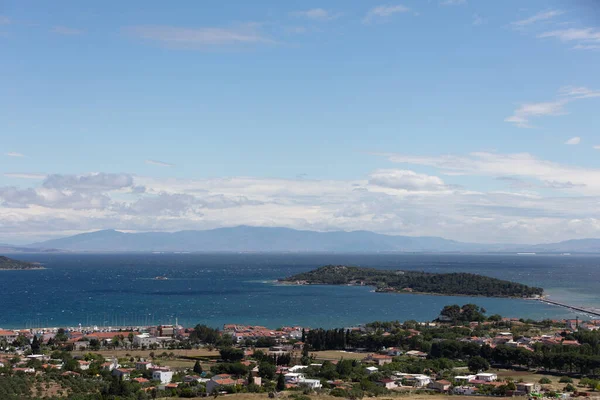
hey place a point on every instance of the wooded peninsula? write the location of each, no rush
(453, 284)
(10, 264)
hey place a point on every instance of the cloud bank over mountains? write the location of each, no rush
(528, 200)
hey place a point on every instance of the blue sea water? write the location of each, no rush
(214, 289)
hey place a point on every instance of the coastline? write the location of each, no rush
(394, 291)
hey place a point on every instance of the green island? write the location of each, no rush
(453, 284)
(11, 264)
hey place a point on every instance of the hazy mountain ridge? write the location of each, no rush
(260, 239)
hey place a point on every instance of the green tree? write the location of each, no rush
(266, 370)
(280, 383)
(197, 367)
(35, 345)
(478, 364)
(230, 354)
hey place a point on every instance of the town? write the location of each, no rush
(463, 352)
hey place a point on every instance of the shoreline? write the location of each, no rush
(394, 291)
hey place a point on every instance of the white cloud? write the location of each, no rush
(405, 179)
(394, 201)
(159, 163)
(14, 154)
(64, 30)
(568, 35)
(381, 12)
(318, 14)
(573, 140)
(521, 165)
(584, 38)
(453, 2)
(98, 182)
(478, 20)
(575, 92)
(522, 115)
(20, 175)
(541, 16)
(587, 47)
(597, 147)
(197, 38)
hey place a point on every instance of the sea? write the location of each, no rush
(216, 289)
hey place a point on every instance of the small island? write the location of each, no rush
(450, 284)
(17, 265)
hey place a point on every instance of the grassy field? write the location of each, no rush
(529, 376)
(338, 355)
(146, 353)
(176, 361)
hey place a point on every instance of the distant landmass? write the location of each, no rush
(261, 239)
(453, 284)
(8, 248)
(10, 264)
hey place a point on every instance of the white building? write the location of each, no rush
(143, 365)
(465, 378)
(293, 377)
(465, 390)
(144, 339)
(297, 368)
(487, 377)
(310, 383)
(164, 376)
(372, 370)
(84, 365)
(422, 380)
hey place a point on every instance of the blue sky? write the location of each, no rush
(446, 118)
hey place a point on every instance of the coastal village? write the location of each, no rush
(171, 360)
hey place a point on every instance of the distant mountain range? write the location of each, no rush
(258, 239)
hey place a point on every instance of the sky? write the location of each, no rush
(471, 120)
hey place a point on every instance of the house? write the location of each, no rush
(24, 370)
(141, 380)
(84, 365)
(293, 377)
(194, 378)
(462, 379)
(80, 345)
(144, 340)
(421, 380)
(143, 365)
(9, 336)
(388, 383)
(111, 365)
(122, 373)
(486, 377)
(217, 384)
(527, 387)
(441, 385)
(310, 383)
(465, 390)
(166, 330)
(163, 375)
(297, 368)
(394, 352)
(372, 370)
(380, 359)
(416, 353)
